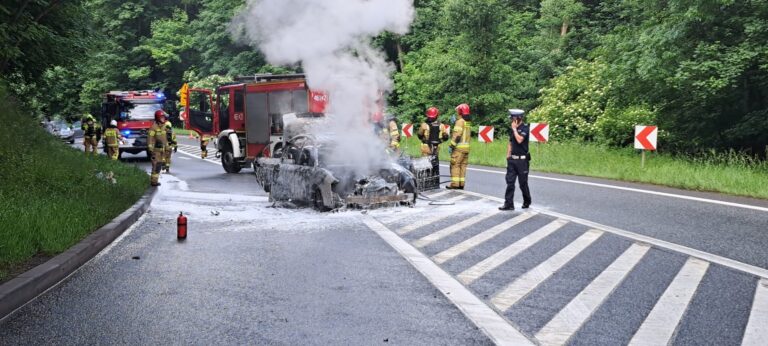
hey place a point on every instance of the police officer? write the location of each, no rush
(157, 141)
(518, 159)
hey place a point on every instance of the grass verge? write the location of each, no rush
(50, 194)
(726, 173)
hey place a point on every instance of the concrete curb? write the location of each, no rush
(25, 287)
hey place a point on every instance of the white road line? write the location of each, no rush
(494, 326)
(650, 192)
(660, 325)
(727, 262)
(431, 238)
(198, 157)
(475, 272)
(438, 194)
(573, 315)
(534, 277)
(423, 222)
(470, 243)
(757, 327)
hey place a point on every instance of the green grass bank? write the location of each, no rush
(50, 195)
(727, 173)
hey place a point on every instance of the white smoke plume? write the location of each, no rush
(331, 40)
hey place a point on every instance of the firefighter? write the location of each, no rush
(394, 133)
(460, 147)
(431, 133)
(171, 148)
(157, 141)
(385, 127)
(112, 139)
(91, 134)
(204, 146)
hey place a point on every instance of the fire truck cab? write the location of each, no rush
(246, 117)
(134, 112)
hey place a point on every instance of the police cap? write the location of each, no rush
(516, 113)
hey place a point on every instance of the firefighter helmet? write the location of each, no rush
(432, 113)
(113, 123)
(463, 109)
(377, 117)
(159, 116)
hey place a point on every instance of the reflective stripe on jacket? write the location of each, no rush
(111, 135)
(462, 132)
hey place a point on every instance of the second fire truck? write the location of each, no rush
(245, 117)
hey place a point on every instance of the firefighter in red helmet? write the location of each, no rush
(157, 141)
(460, 147)
(431, 134)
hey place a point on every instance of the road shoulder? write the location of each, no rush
(24, 288)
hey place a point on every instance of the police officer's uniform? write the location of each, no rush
(517, 164)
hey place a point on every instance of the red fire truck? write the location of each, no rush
(134, 112)
(245, 117)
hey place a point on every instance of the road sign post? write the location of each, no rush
(485, 135)
(645, 139)
(539, 134)
(407, 133)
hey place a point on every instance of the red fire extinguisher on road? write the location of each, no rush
(181, 226)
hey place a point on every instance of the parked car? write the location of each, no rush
(76, 127)
(62, 130)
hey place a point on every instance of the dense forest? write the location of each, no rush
(592, 69)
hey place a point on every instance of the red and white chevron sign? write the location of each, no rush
(645, 137)
(485, 135)
(539, 132)
(408, 130)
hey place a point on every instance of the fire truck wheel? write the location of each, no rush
(228, 160)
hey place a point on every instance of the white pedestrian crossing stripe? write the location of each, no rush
(573, 315)
(429, 239)
(196, 152)
(757, 327)
(533, 278)
(470, 275)
(658, 327)
(480, 238)
(423, 222)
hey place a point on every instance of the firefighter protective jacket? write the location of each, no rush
(91, 130)
(461, 135)
(170, 135)
(157, 139)
(394, 135)
(112, 136)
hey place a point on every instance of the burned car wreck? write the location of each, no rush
(306, 173)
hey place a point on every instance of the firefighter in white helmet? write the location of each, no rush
(112, 138)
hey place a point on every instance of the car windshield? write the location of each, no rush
(142, 111)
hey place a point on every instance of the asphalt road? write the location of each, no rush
(464, 273)
(737, 233)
